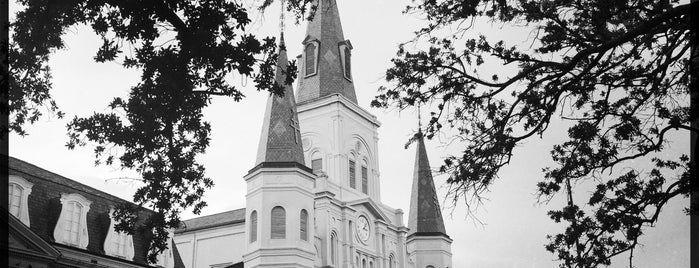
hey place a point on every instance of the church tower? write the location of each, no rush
(428, 243)
(340, 142)
(279, 215)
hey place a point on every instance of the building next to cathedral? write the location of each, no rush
(54, 221)
(313, 197)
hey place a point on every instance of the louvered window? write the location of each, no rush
(278, 223)
(348, 64)
(304, 225)
(317, 165)
(311, 59)
(365, 180)
(253, 226)
(353, 183)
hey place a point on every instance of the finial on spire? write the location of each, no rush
(282, 45)
(419, 121)
(281, 18)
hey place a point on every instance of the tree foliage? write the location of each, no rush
(188, 52)
(617, 71)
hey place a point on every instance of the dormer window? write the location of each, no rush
(348, 66)
(311, 58)
(346, 56)
(18, 193)
(166, 258)
(118, 244)
(71, 228)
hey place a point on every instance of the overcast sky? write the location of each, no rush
(513, 226)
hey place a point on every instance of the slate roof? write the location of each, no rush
(425, 217)
(280, 141)
(327, 29)
(211, 221)
(45, 208)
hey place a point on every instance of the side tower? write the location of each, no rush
(279, 213)
(428, 244)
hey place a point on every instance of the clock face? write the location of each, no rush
(363, 229)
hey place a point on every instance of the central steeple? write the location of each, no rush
(326, 59)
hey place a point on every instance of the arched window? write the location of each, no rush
(311, 49)
(333, 248)
(363, 263)
(352, 173)
(18, 194)
(304, 225)
(365, 178)
(71, 228)
(429, 266)
(15, 192)
(348, 65)
(253, 226)
(391, 261)
(118, 244)
(371, 264)
(278, 223)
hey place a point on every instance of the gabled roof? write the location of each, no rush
(211, 221)
(372, 207)
(425, 217)
(280, 140)
(326, 28)
(22, 240)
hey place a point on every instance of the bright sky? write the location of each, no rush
(513, 226)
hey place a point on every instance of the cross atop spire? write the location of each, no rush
(425, 218)
(279, 141)
(325, 65)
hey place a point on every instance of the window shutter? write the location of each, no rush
(365, 180)
(353, 183)
(348, 63)
(310, 59)
(317, 165)
(278, 223)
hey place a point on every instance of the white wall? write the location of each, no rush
(210, 247)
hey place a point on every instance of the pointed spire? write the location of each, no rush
(280, 140)
(330, 77)
(425, 218)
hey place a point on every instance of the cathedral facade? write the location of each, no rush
(313, 197)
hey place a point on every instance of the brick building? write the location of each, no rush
(54, 221)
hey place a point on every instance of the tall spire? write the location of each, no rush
(333, 72)
(425, 217)
(280, 140)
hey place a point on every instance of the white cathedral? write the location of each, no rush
(313, 197)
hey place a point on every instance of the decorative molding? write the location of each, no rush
(59, 232)
(110, 242)
(166, 258)
(26, 187)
